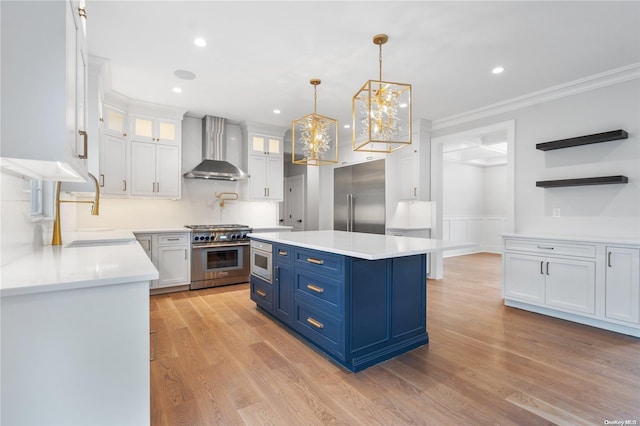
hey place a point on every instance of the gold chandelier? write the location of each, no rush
(381, 113)
(311, 137)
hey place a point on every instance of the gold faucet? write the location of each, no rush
(95, 209)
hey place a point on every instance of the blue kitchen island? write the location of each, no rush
(358, 298)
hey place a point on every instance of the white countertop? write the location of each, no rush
(57, 268)
(408, 228)
(276, 228)
(584, 239)
(364, 246)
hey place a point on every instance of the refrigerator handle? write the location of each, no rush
(350, 212)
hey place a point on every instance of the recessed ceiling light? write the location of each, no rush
(497, 70)
(347, 126)
(184, 74)
(177, 90)
(276, 111)
(200, 42)
(403, 105)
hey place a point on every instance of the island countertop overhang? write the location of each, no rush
(361, 245)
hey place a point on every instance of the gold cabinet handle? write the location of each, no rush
(86, 144)
(282, 253)
(315, 288)
(315, 323)
(261, 293)
(315, 261)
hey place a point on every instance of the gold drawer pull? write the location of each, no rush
(315, 323)
(261, 293)
(316, 261)
(282, 253)
(315, 288)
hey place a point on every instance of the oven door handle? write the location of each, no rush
(205, 246)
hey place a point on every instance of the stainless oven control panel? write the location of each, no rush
(219, 237)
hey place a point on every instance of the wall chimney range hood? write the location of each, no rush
(214, 145)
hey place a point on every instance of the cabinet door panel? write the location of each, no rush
(408, 313)
(284, 280)
(275, 180)
(114, 166)
(570, 284)
(409, 177)
(623, 284)
(370, 317)
(173, 265)
(143, 168)
(524, 279)
(167, 172)
(258, 172)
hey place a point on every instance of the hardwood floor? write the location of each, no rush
(220, 361)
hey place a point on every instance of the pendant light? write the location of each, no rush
(314, 137)
(381, 112)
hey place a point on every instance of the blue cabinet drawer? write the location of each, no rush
(321, 328)
(262, 293)
(322, 290)
(321, 262)
(283, 254)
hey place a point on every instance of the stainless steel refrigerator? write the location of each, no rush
(358, 198)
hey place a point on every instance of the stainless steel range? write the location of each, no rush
(219, 255)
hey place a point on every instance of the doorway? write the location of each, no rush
(460, 146)
(294, 210)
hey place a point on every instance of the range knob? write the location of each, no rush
(206, 238)
(234, 236)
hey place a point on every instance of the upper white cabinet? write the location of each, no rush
(154, 129)
(265, 145)
(264, 161)
(44, 89)
(155, 170)
(141, 149)
(409, 177)
(114, 121)
(584, 281)
(623, 284)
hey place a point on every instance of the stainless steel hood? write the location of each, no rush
(214, 145)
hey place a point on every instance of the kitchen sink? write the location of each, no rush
(97, 243)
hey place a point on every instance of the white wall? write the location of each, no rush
(197, 206)
(610, 211)
(474, 205)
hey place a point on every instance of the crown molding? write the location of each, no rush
(596, 81)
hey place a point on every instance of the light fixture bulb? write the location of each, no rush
(200, 42)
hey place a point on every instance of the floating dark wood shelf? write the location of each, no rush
(603, 180)
(583, 140)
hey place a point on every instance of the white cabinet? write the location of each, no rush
(114, 121)
(563, 282)
(44, 89)
(154, 129)
(113, 166)
(155, 170)
(590, 282)
(145, 161)
(266, 181)
(265, 145)
(409, 177)
(263, 162)
(171, 254)
(623, 284)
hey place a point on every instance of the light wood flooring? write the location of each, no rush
(220, 361)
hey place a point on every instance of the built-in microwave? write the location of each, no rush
(261, 260)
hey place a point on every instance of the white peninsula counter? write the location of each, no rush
(75, 333)
(358, 298)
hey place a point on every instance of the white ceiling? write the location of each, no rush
(261, 55)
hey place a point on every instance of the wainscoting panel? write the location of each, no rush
(486, 231)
